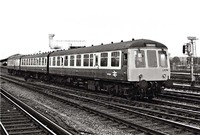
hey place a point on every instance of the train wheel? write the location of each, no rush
(150, 98)
(129, 94)
(111, 91)
(129, 97)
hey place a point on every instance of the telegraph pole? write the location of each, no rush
(190, 50)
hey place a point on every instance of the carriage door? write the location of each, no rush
(96, 60)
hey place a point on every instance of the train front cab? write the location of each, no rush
(13, 65)
(148, 69)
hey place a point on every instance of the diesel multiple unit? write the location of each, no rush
(135, 69)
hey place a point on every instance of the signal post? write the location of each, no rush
(188, 49)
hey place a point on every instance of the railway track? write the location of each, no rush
(18, 118)
(184, 77)
(132, 127)
(129, 116)
(181, 96)
(184, 87)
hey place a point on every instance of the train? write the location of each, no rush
(135, 69)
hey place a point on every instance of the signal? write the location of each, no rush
(184, 49)
(187, 49)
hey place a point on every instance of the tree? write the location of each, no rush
(176, 60)
(188, 60)
(197, 60)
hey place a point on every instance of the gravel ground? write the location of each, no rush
(62, 113)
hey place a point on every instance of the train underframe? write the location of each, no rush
(130, 90)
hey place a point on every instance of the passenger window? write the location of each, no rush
(115, 59)
(66, 61)
(33, 61)
(91, 60)
(71, 60)
(37, 61)
(58, 61)
(162, 58)
(78, 60)
(61, 61)
(45, 61)
(49, 61)
(86, 60)
(139, 59)
(104, 59)
(54, 61)
(152, 59)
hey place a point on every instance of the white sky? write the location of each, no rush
(25, 24)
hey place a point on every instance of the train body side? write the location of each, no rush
(92, 71)
(35, 63)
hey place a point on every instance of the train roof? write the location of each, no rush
(36, 55)
(110, 47)
(15, 56)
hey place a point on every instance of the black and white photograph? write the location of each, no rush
(100, 67)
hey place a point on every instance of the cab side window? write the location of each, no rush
(140, 59)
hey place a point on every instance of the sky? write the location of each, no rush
(26, 24)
